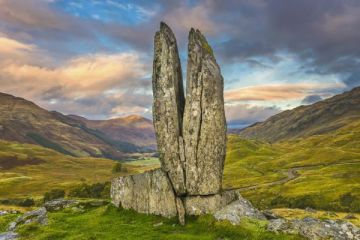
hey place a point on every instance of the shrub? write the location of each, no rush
(27, 202)
(24, 202)
(97, 190)
(54, 194)
(118, 167)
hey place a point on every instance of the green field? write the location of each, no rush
(30, 170)
(108, 222)
(321, 171)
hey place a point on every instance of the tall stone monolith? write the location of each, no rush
(168, 106)
(204, 124)
(191, 135)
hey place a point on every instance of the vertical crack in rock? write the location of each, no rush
(168, 105)
(204, 124)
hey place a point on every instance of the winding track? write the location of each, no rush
(292, 173)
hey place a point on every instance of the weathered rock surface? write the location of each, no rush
(199, 205)
(8, 236)
(6, 212)
(237, 210)
(149, 192)
(38, 215)
(204, 124)
(316, 229)
(59, 204)
(168, 106)
(191, 135)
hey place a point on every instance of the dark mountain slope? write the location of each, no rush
(318, 118)
(133, 129)
(25, 122)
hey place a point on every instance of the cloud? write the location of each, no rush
(311, 99)
(326, 40)
(183, 18)
(353, 80)
(278, 92)
(80, 76)
(95, 85)
(241, 115)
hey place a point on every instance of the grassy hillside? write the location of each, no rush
(319, 118)
(321, 171)
(30, 170)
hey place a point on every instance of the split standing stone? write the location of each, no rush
(204, 124)
(168, 106)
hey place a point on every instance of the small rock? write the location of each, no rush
(308, 209)
(269, 215)
(312, 228)
(350, 216)
(2, 213)
(158, 224)
(59, 204)
(181, 210)
(237, 210)
(39, 216)
(9, 236)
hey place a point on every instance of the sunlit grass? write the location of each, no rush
(109, 222)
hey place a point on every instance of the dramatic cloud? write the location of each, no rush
(277, 92)
(95, 84)
(94, 57)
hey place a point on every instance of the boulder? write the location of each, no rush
(204, 124)
(168, 106)
(236, 210)
(150, 192)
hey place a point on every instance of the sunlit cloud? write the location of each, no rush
(285, 91)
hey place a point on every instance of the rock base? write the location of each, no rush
(152, 193)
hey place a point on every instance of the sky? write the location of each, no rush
(94, 57)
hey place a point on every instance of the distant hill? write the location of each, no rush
(134, 129)
(319, 118)
(25, 122)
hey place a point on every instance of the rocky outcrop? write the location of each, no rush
(9, 236)
(149, 192)
(38, 216)
(316, 229)
(191, 135)
(204, 125)
(236, 210)
(168, 106)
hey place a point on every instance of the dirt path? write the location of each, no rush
(292, 173)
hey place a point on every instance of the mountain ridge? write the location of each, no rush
(25, 122)
(307, 120)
